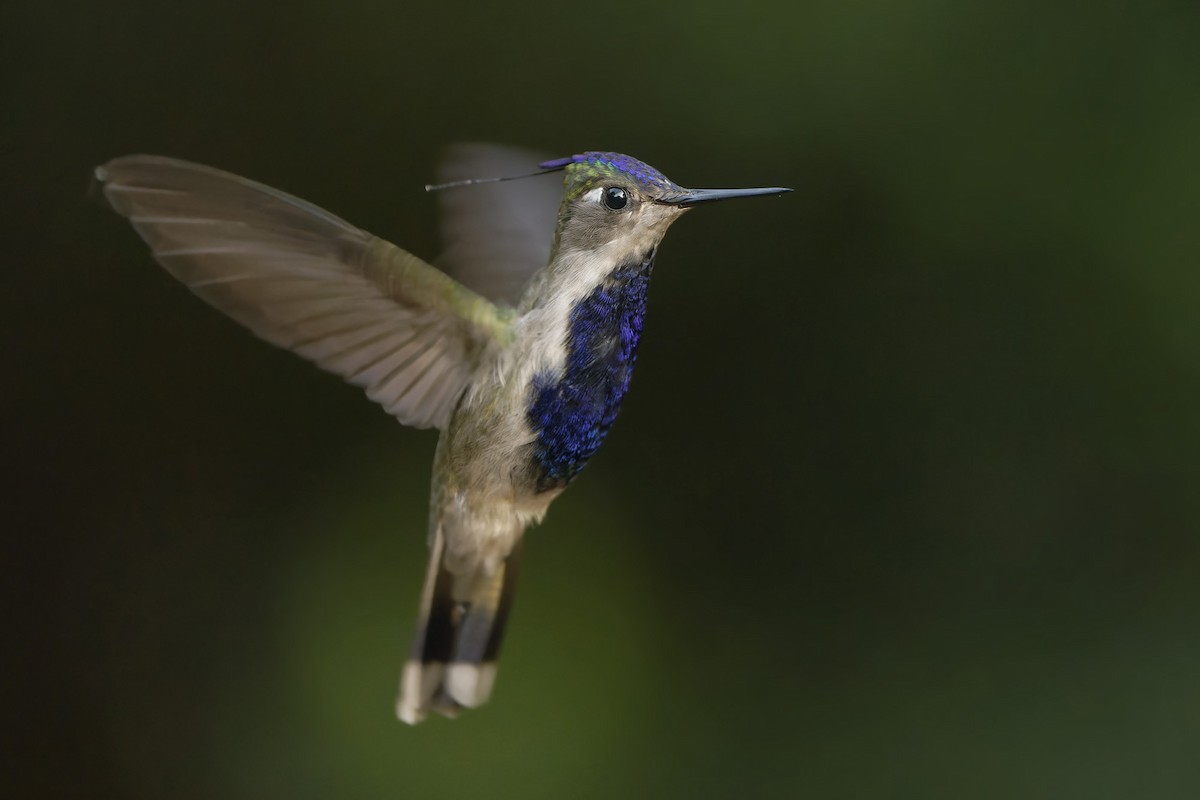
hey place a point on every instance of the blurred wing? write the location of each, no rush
(496, 235)
(304, 279)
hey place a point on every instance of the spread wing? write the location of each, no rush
(496, 235)
(303, 279)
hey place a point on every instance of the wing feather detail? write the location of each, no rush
(306, 280)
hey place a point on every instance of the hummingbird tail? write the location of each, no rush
(452, 664)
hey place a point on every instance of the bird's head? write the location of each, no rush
(614, 200)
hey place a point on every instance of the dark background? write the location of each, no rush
(904, 501)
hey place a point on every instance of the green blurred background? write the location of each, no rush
(904, 501)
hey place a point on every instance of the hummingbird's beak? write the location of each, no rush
(686, 198)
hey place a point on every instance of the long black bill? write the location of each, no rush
(687, 198)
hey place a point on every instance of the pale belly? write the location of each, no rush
(485, 490)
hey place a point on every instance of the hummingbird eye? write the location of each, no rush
(615, 198)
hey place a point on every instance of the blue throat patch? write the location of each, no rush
(572, 412)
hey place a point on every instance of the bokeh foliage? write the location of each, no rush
(904, 501)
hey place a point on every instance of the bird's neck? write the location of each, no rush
(574, 272)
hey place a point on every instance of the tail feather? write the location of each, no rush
(452, 664)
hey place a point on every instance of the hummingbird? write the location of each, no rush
(523, 374)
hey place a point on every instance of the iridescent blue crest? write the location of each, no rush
(586, 169)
